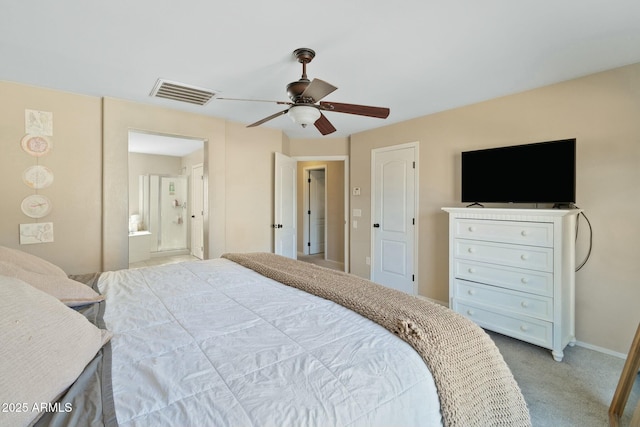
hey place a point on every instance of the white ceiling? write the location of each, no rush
(416, 57)
(164, 145)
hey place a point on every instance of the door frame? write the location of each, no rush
(192, 204)
(306, 226)
(345, 160)
(416, 190)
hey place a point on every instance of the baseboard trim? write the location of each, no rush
(601, 349)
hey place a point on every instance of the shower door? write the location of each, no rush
(168, 212)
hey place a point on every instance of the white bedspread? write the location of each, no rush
(211, 343)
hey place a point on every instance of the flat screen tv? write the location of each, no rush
(543, 172)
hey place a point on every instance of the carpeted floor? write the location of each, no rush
(318, 259)
(575, 392)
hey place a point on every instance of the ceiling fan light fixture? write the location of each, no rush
(304, 115)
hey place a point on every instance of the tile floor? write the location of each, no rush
(163, 260)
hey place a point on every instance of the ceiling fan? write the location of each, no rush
(306, 108)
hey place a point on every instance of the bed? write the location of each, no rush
(261, 340)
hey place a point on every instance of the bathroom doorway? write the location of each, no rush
(160, 202)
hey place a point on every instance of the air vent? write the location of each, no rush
(181, 92)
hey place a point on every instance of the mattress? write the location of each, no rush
(213, 343)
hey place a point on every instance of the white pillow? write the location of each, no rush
(30, 262)
(68, 291)
(44, 346)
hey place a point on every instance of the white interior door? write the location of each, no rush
(317, 211)
(284, 215)
(393, 207)
(197, 211)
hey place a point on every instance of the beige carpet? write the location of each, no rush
(318, 259)
(575, 392)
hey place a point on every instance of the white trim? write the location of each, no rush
(345, 160)
(305, 217)
(601, 349)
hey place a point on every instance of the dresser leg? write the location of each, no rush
(557, 355)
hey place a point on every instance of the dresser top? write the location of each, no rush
(511, 213)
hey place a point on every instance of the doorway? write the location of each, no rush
(315, 199)
(335, 253)
(160, 196)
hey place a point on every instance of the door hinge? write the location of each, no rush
(414, 221)
(309, 180)
(309, 244)
(413, 277)
(308, 212)
(414, 165)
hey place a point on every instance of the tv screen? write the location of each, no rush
(544, 172)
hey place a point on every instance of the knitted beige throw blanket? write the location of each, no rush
(475, 386)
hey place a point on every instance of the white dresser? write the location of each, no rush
(512, 271)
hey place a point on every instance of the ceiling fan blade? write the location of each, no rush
(360, 110)
(324, 125)
(318, 89)
(266, 119)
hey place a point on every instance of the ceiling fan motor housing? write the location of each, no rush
(295, 89)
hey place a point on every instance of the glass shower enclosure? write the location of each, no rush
(163, 210)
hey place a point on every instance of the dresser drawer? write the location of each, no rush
(530, 257)
(517, 302)
(517, 232)
(536, 282)
(526, 329)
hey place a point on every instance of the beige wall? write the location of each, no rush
(334, 186)
(602, 111)
(250, 181)
(317, 147)
(75, 160)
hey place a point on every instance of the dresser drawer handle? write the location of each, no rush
(471, 270)
(524, 280)
(471, 292)
(471, 250)
(472, 229)
(524, 257)
(524, 233)
(524, 328)
(470, 312)
(524, 304)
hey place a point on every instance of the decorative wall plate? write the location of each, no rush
(36, 206)
(36, 145)
(37, 177)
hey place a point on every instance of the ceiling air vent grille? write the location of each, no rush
(181, 92)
